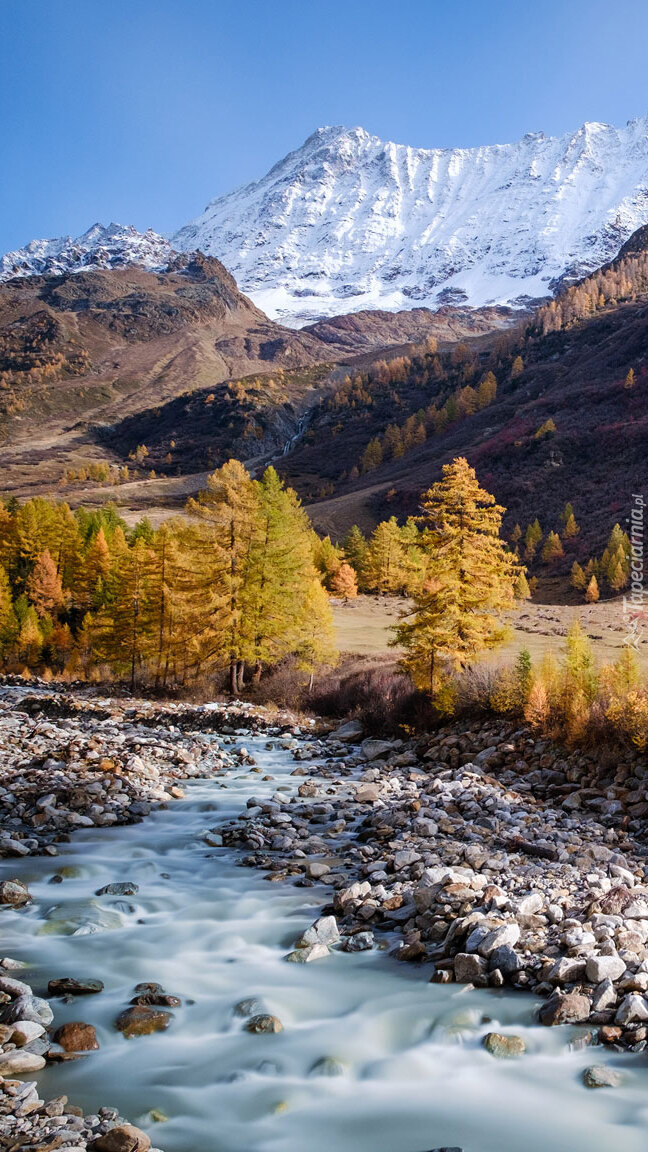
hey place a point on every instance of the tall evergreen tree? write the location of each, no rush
(470, 577)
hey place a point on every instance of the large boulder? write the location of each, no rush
(123, 1138)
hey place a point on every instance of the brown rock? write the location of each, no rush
(123, 1138)
(141, 1020)
(264, 1023)
(68, 986)
(570, 1008)
(76, 1037)
(14, 892)
(616, 900)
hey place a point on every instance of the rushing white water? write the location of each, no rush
(416, 1076)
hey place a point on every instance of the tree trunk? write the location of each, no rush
(233, 677)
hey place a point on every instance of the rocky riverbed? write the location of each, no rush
(483, 858)
(496, 857)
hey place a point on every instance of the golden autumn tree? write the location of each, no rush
(344, 582)
(469, 577)
(229, 508)
(123, 634)
(280, 570)
(44, 586)
(592, 594)
(316, 640)
(552, 548)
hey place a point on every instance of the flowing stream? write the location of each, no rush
(414, 1075)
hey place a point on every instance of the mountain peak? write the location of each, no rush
(348, 221)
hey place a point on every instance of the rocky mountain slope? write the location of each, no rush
(566, 424)
(104, 359)
(349, 222)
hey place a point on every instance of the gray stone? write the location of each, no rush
(305, 955)
(123, 888)
(322, 931)
(327, 1066)
(373, 749)
(349, 732)
(503, 1047)
(19, 1062)
(359, 942)
(468, 967)
(600, 1076)
(27, 1008)
(505, 959)
(565, 1008)
(632, 1009)
(498, 937)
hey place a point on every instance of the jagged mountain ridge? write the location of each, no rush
(349, 222)
(111, 246)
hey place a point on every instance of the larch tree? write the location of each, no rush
(280, 570)
(552, 548)
(385, 567)
(354, 547)
(229, 507)
(469, 577)
(592, 594)
(91, 584)
(532, 538)
(44, 586)
(578, 578)
(316, 642)
(123, 632)
(8, 622)
(344, 582)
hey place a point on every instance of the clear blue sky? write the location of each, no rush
(141, 111)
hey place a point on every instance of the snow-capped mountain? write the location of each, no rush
(349, 222)
(100, 247)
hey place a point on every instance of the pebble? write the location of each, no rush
(263, 1023)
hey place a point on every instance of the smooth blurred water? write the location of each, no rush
(416, 1076)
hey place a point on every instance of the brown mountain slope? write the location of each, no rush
(594, 454)
(93, 364)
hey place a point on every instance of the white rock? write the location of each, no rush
(305, 955)
(632, 1008)
(17, 1063)
(24, 1031)
(506, 934)
(604, 968)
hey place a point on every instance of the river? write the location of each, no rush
(413, 1075)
